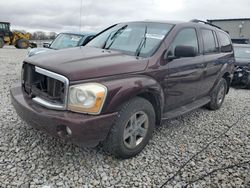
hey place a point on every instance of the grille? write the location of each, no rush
(47, 88)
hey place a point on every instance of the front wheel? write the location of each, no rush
(132, 128)
(218, 95)
(22, 43)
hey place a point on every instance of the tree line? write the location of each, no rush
(40, 35)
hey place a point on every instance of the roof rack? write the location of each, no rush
(200, 21)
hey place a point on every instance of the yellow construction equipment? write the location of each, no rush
(16, 38)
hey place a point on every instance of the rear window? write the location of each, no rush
(225, 42)
(209, 41)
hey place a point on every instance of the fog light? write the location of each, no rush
(68, 130)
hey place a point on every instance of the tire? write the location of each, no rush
(248, 82)
(22, 43)
(1, 42)
(124, 141)
(218, 95)
(17, 43)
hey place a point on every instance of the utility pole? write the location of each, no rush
(80, 25)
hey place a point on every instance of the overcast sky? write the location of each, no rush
(64, 15)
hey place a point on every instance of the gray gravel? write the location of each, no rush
(200, 149)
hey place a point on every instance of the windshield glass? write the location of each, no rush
(138, 39)
(242, 52)
(66, 41)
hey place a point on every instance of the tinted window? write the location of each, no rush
(209, 41)
(186, 37)
(225, 42)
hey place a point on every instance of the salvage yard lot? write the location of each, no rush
(203, 148)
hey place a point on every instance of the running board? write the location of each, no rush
(186, 108)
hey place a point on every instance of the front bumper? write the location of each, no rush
(87, 130)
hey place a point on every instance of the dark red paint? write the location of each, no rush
(168, 84)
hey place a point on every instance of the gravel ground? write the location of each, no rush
(200, 149)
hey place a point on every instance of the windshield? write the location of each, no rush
(64, 40)
(242, 52)
(138, 39)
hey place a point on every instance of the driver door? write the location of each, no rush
(185, 74)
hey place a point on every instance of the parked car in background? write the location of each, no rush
(63, 40)
(242, 66)
(126, 80)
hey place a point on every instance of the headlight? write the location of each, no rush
(87, 98)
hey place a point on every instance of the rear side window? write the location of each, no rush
(225, 42)
(209, 41)
(186, 37)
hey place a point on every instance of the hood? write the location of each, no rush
(242, 62)
(35, 51)
(87, 62)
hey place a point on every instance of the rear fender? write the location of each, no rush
(226, 70)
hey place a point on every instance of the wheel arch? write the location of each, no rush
(122, 90)
(227, 77)
(156, 103)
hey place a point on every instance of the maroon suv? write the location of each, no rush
(125, 81)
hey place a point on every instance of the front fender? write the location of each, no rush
(122, 90)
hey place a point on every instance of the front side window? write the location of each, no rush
(137, 39)
(209, 41)
(225, 42)
(65, 40)
(186, 37)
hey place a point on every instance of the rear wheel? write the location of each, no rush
(22, 44)
(132, 129)
(218, 95)
(1, 42)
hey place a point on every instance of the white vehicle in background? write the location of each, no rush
(63, 40)
(242, 66)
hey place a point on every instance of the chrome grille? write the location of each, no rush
(47, 88)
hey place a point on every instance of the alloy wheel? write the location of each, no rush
(135, 129)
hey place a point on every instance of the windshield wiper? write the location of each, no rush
(142, 43)
(113, 37)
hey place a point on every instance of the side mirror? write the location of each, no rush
(169, 56)
(185, 51)
(46, 44)
(179, 52)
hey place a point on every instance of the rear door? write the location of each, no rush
(184, 75)
(211, 54)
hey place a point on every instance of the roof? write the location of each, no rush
(232, 19)
(163, 21)
(153, 21)
(5, 22)
(208, 25)
(78, 33)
